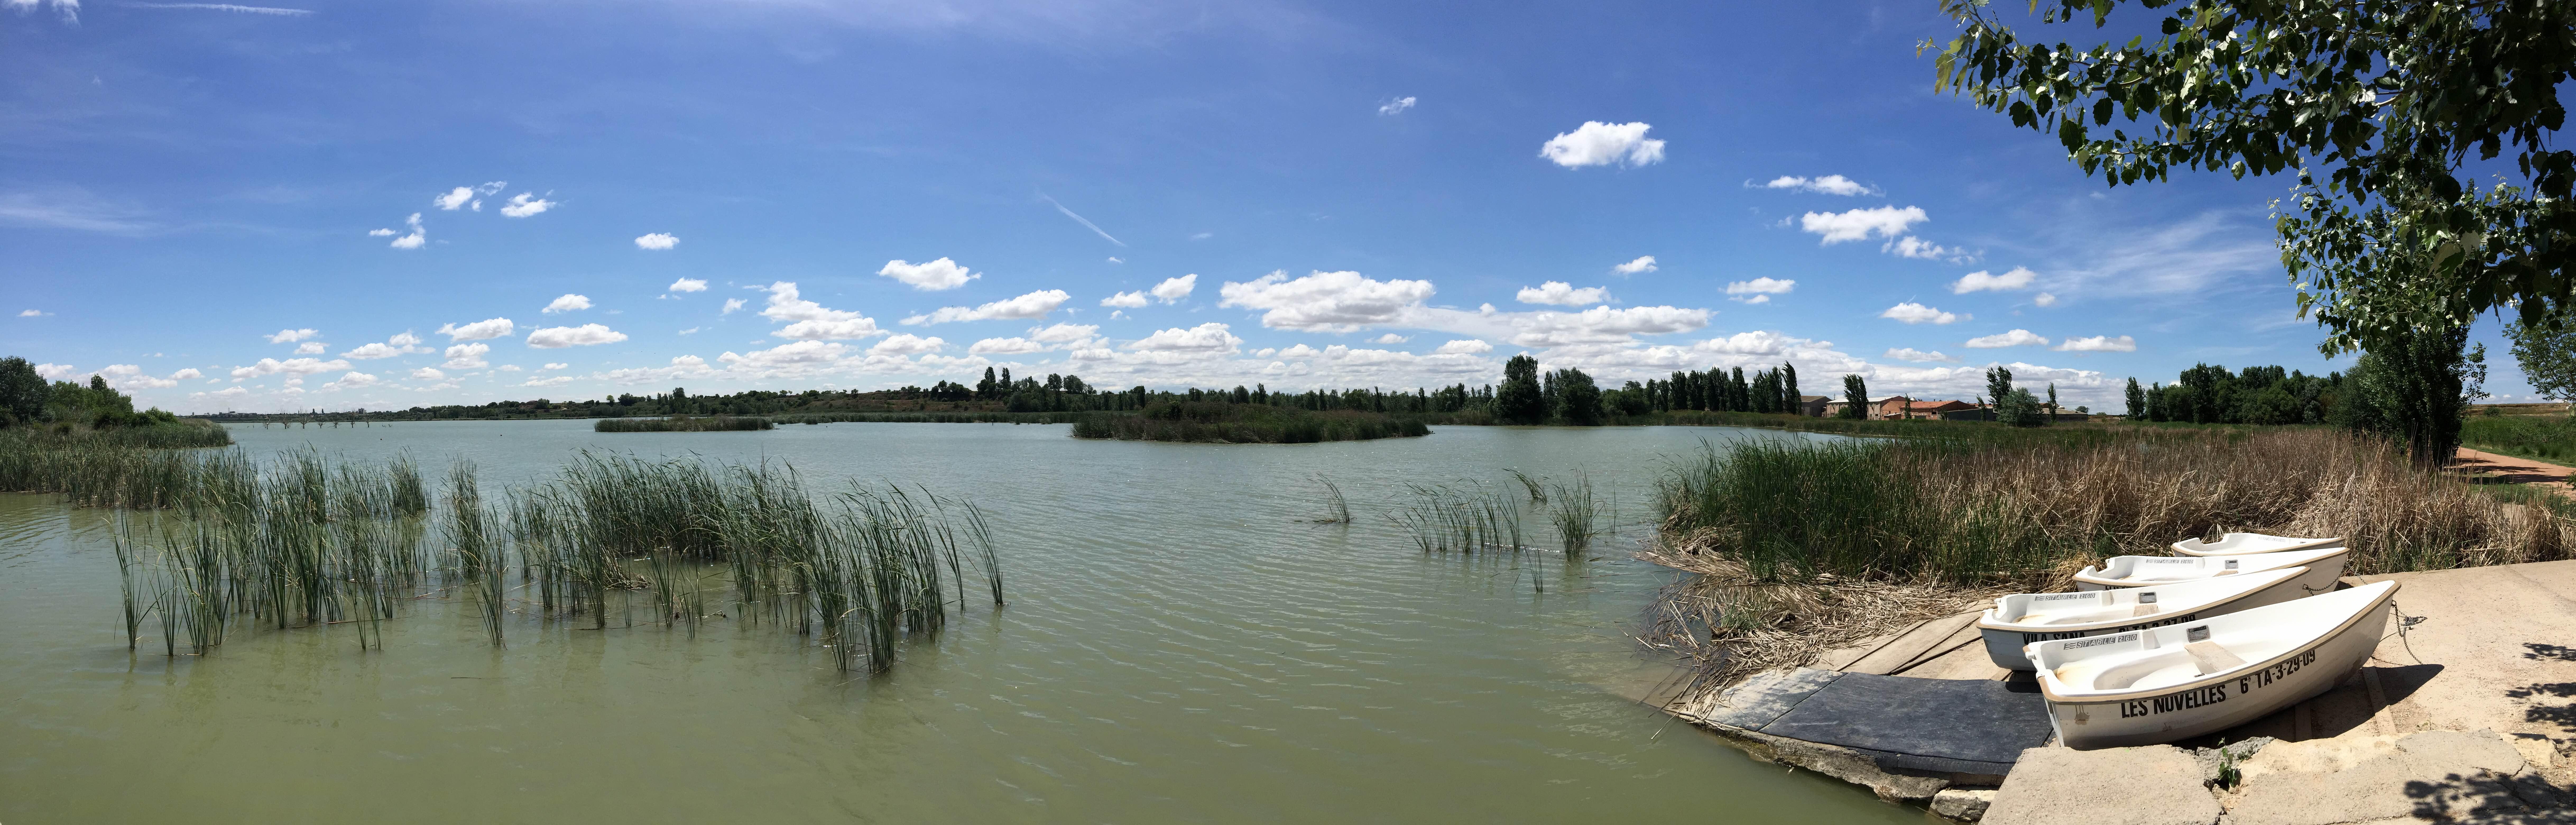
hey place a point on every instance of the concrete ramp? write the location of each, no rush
(1951, 726)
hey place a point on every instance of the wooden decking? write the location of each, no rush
(1942, 648)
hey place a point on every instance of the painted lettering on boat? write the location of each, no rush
(2101, 640)
(2059, 597)
(2214, 694)
(2028, 638)
(2168, 561)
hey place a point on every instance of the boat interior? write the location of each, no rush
(2166, 656)
(2100, 606)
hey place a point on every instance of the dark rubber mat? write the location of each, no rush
(1924, 724)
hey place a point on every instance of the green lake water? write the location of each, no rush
(1181, 645)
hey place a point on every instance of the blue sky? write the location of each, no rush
(335, 205)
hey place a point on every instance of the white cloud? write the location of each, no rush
(350, 379)
(526, 204)
(1857, 224)
(402, 344)
(310, 348)
(2044, 299)
(1829, 185)
(508, 368)
(1561, 293)
(1396, 106)
(788, 359)
(1116, 260)
(1209, 337)
(689, 285)
(482, 330)
(55, 372)
(428, 374)
(1600, 144)
(1757, 299)
(929, 276)
(1329, 301)
(188, 374)
(680, 366)
(467, 357)
(2099, 343)
(454, 199)
(1912, 354)
(731, 304)
(1464, 347)
(1603, 325)
(291, 366)
(2015, 338)
(580, 336)
(32, 313)
(1032, 305)
(553, 366)
(1004, 346)
(289, 336)
(131, 375)
(568, 303)
(1389, 338)
(1762, 286)
(656, 240)
(227, 392)
(1130, 300)
(2018, 278)
(415, 240)
(1064, 333)
(492, 187)
(1913, 247)
(1643, 263)
(691, 331)
(1914, 313)
(812, 321)
(1172, 290)
(555, 381)
(380, 232)
(907, 344)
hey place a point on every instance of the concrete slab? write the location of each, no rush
(1941, 725)
(1764, 697)
(2497, 651)
(2154, 785)
(2432, 775)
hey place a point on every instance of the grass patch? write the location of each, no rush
(1208, 422)
(2550, 438)
(683, 424)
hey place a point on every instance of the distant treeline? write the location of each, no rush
(1227, 423)
(683, 424)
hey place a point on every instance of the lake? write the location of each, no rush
(1182, 644)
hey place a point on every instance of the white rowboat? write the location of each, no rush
(2323, 564)
(2237, 544)
(2024, 618)
(2164, 684)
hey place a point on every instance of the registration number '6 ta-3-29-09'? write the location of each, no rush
(2214, 694)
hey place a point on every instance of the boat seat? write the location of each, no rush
(2211, 658)
(2145, 610)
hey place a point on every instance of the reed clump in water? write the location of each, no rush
(1575, 514)
(1211, 422)
(683, 424)
(1337, 510)
(1445, 519)
(1945, 523)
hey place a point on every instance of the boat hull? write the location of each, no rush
(2320, 577)
(2276, 544)
(2217, 704)
(2009, 646)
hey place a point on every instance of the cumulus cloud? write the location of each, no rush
(1603, 325)
(1396, 106)
(1914, 313)
(1172, 290)
(1828, 185)
(32, 313)
(526, 204)
(656, 240)
(403, 344)
(2099, 343)
(732, 304)
(810, 321)
(1980, 281)
(1389, 338)
(131, 375)
(1912, 354)
(454, 199)
(907, 344)
(1004, 346)
(1561, 293)
(580, 336)
(1859, 224)
(289, 336)
(56, 372)
(483, 330)
(1327, 301)
(2044, 299)
(1601, 144)
(2015, 338)
(415, 240)
(1643, 263)
(291, 366)
(929, 276)
(1130, 300)
(554, 381)
(188, 374)
(1064, 333)
(685, 365)
(1464, 347)
(689, 285)
(350, 379)
(1032, 305)
(1209, 337)
(553, 366)
(310, 348)
(428, 374)
(1913, 247)
(467, 357)
(785, 359)
(568, 303)
(1760, 290)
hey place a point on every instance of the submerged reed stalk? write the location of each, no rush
(1575, 514)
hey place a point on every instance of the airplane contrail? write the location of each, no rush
(1079, 219)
